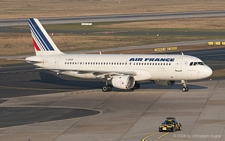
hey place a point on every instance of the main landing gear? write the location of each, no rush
(185, 88)
(107, 88)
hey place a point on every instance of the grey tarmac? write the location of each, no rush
(123, 115)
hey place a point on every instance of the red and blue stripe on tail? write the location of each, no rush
(43, 44)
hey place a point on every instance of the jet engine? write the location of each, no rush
(122, 82)
(164, 82)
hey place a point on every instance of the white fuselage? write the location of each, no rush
(145, 67)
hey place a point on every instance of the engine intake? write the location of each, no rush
(122, 82)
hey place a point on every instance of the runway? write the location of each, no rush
(114, 18)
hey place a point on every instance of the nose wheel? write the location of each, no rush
(185, 88)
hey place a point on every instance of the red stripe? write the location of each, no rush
(35, 45)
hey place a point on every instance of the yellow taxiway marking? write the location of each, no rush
(148, 136)
(163, 135)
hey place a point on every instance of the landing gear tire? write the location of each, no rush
(106, 88)
(185, 89)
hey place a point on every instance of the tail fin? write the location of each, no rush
(43, 44)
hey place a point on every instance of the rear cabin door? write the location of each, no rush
(57, 59)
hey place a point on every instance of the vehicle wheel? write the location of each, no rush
(173, 130)
(180, 127)
(160, 129)
(186, 89)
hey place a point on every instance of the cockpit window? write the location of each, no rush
(200, 63)
(196, 63)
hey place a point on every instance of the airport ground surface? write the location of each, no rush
(38, 105)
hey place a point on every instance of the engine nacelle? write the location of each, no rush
(122, 82)
(164, 82)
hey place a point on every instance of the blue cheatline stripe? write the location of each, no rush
(36, 40)
(40, 35)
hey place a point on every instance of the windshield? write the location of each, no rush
(196, 63)
(168, 122)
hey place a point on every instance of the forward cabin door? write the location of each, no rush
(178, 65)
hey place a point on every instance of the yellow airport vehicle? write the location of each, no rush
(170, 125)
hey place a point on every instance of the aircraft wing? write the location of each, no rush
(99, 72)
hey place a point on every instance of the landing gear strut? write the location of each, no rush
(106, 88)
(185, 88)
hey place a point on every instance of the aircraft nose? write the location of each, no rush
(208, 71)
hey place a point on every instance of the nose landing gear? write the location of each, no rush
(185, 88)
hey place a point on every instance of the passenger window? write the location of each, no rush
(191, 64)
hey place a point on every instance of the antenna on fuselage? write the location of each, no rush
(182, 53)
(100, 52)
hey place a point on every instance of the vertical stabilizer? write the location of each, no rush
(43, 44)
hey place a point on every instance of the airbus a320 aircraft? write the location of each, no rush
(120, 71)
